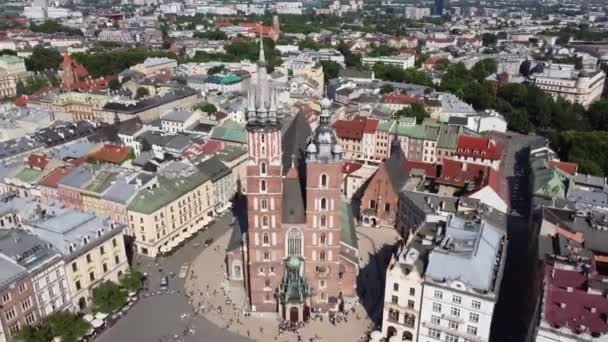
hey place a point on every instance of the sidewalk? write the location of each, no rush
(213, 298)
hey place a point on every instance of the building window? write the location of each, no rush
(323, 240)
(436, 307)
(26, 303)
(9, 314)
(434, 333)
(267, 282)
(30, 318)
(323, 203)
(394, 300)
(393, 315)
(89, 259)
(6, 297)
(372, 204)
(117, 260)
(92, 276)
(436, 320)
(387, 207)
(476, 304)
(471, 330)
(294, 242)
(264, 204)
(22, 287)
(455, 312)
(78, 286)
(323, 180)
(456, 299)
(438, 294)
(473, 317)
(114, 243)
(451, 338)
(263, 168)
(263, 186)
(266, 256)
(105, 267)
(453, 325)
(322, 256)
(74, 267)
(395, 286)
(412, 291)
(323, 221)
(265, 221)
(102, 251)
(410, 304)
(14, 328)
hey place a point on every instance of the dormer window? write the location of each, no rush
(71, 248)
(86, 240)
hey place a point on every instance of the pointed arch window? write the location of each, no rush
(265, 221)
(265, 239)
(323, 181)
(323, 221)
(263, 168)
(323, 203)
(294, 242)
(322, 256)
(263, 186)
(264, 204)
(323, 239)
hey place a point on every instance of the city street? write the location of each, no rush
(515, 303)
(159, 318)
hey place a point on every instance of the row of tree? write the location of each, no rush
(107, 297)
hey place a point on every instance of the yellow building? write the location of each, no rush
(155, 64)
(75, 106)
(12, 69)
(93, 248)
(162, 217)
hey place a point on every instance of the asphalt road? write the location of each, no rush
(159, 318)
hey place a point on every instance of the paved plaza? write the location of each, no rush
(223, 304)
(208, 316)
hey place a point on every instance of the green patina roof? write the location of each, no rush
(10, 59)
(28, 175)
(230, 79)
(404, 127)
(549, 182)
(100, 183)
(230, 131)
(148, 201)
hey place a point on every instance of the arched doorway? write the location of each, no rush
(407, 336)
(293, 314)
(373, 222)
(392, 331)
(82, 303)
(306, 313)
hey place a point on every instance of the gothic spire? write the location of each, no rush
(262, 56)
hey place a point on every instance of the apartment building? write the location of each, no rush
(576, 86)
(93, 248)
(404, 61)
(163, 216)
(431, 294)
(12, 70)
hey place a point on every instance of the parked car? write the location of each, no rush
(164, 283)
(208, 242)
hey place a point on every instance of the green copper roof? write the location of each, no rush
(230, 79)
(348, 234)
(148, 201)
(294, 287)
(230, 131)
(28, 175)
(549, 182)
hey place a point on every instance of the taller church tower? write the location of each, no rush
(264, 191)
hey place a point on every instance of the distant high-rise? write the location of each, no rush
(439, 7)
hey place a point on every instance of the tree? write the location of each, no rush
(114, 84)
(386, 88)
(489, 39)
(524, 68)
(416, 110)
(331, 70)
(598, 115)
(132, 281)
(215, 70)
(207, 107)
(43, 59)
(108, 296)
(36, 333)
(141, 92)
(145, 145)
(20, 88)
(484, 68)
(67, 325)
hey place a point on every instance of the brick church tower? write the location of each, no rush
(299, 248)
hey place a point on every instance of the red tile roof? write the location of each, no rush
(477, 147)
(570, 168)
(54, 177)
(370, 126)
(401, 99)
(37, 161)
(568, 304)
(257, 28)
(348, 168)
(350, 129)
(429, 169)
(433, 59)
(112, 153)
(458, 173)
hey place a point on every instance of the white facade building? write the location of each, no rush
(564, 81)
(405, 61)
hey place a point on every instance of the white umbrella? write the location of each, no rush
(88, 318)
(96, 323)
(101, 315)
